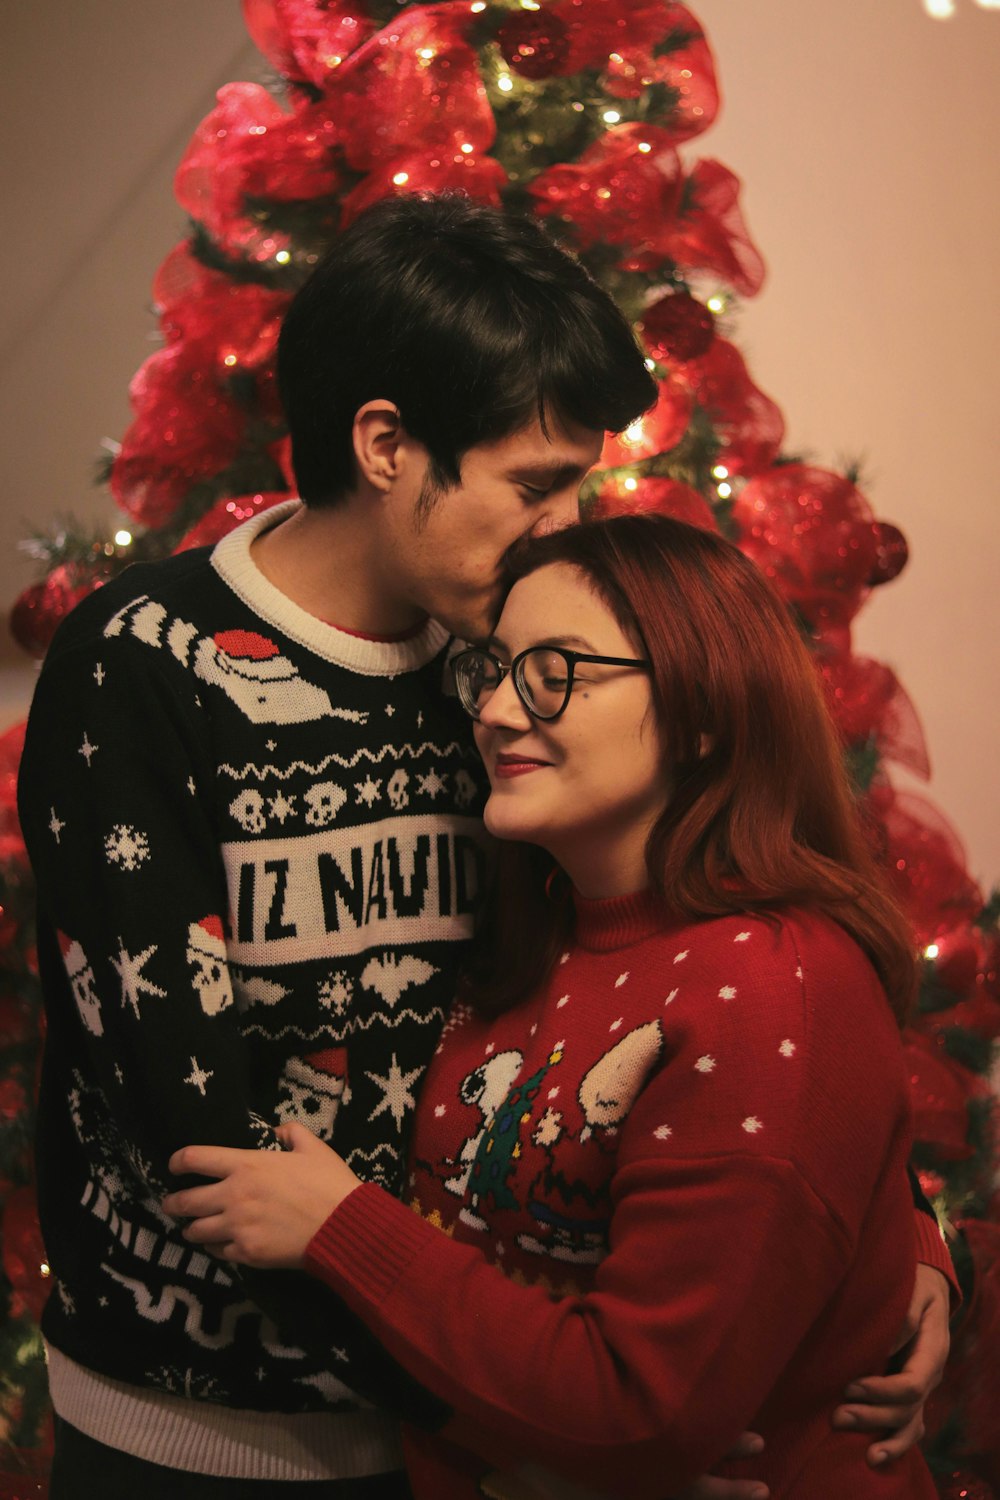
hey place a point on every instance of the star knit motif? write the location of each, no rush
(751, 1125)
(56, 825)
(87, 749)
(368, 791)
(396, 1086)
(787, 1048)
(432, 783)
(134, 983)
(198, 1076)
(705, 1064)
(281, 807)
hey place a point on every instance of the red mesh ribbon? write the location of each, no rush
(710, 234)
(926, 862)
(307, 40)
(616, 193)
(658, 494)
(225, 515)
(247, 147)
(23, 1253)
(868, 702)
(686, 68)
(748, 423)
(236, 323)
(940, 1091)
(187, 428)
(813, 534)
(417, 81)
(428, 170)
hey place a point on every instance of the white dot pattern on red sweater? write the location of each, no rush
(705, 1064)
(751, 1125)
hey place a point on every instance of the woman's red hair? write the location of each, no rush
(760, 813)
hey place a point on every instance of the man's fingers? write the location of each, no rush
(748, 1445)
(910, 1387)
(874, 1418)
(710, 1488)
(886, 1449)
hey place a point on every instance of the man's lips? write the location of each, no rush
(509, 765)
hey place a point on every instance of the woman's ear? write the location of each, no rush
(376, 437)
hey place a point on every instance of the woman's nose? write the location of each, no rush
(503, 709)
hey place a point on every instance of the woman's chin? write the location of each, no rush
(507, 822)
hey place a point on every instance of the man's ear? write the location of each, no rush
(376, 436)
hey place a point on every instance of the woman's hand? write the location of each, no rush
(896, 1402)
(265, 1206)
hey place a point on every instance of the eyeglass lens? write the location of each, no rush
(541, 677)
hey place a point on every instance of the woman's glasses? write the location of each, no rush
(542, 677)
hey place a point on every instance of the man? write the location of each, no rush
(252, 812)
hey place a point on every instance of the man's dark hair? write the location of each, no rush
(470, 321)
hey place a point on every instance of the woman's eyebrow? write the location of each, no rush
(570, 642)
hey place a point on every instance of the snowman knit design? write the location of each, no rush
(659, 1201)
(257, 844)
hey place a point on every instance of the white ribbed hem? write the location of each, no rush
(199, 1437)
(232, 561)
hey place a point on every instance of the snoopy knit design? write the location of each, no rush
(256, 844)
(661, 1201)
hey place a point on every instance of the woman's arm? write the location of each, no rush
(657, 1370)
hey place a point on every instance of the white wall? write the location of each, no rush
(866, 135)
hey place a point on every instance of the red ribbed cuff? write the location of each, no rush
(367, 1243)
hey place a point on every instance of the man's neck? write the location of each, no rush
(327, 562)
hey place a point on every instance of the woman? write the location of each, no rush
(666, 1132)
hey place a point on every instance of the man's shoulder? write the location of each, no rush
(185, 584)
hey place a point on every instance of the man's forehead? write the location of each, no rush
(564, 445)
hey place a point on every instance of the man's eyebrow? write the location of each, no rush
(548, 473)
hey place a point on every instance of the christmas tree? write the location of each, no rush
(585, 113)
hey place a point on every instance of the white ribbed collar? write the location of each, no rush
(231, 560)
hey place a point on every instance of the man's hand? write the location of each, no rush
(265, 1206)
(897, 1401)
(710, 1488)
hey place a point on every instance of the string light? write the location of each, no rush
(505, 83)
(400, 179)
(634, 434)
(611, 117)
(630, 483)
(477, 6)
(725, 490)
(931, 951)
(720, 472)
(283, 257)
(123, 538)
(645, 147)
(941, 10)
(716, 304)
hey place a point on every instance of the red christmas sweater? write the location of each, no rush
(662, 1201)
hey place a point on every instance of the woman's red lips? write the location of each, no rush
(516, 765)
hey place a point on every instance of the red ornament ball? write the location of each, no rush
(678, 327)
(891, 554)
(534, 45)
(41, 609)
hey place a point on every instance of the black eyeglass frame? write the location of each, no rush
(516, 670)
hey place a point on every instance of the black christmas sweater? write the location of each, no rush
(256, 841)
